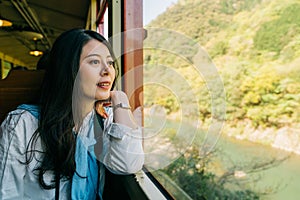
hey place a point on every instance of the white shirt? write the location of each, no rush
(122, 154)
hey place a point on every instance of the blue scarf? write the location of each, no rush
(85, 183)
(33, 109)
(85, 180)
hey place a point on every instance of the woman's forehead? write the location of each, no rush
(95, 47)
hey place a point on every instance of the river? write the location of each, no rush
(285, 176)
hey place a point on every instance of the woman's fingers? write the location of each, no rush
(100, 109)
(118, 97)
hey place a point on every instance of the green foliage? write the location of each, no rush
(169, 103)
(234, 6)
(276, 34)
(190, 172)
(249, 4)
(245, 57)
(227, 7)
(219, 48)
(269, 99)
(291, 51)
(266, 82)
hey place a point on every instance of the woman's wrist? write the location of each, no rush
(121, 109)
(121, 106)
(125, 117)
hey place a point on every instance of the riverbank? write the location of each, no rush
(279, 181)
(285, 138)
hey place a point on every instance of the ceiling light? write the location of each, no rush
(5, 22)
(36, 52)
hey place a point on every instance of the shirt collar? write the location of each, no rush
(86, 130)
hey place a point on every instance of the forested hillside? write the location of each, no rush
(255, 45)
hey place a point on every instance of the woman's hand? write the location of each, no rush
(121, 109)
(118, 97)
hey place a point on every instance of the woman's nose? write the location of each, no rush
(104, 70)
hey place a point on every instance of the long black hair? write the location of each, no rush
(56, 119)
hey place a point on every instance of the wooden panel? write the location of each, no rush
(20, 86)
(133, 48)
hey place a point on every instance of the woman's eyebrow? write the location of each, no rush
(90, 55)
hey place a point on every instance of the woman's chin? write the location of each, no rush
(103, 97)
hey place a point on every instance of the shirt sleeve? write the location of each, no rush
(12, 150)
(125, 153)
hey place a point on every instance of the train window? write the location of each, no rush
(168, 135)
(193, 51)
(176, 59)
(5, 68)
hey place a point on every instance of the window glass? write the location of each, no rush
(221, 97)
(6, 67)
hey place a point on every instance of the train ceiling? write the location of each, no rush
(37, 23)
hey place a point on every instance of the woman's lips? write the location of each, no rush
(104, 85)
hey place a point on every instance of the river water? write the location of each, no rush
(284, 177)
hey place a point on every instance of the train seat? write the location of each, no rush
(20, 86)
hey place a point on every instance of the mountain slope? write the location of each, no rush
(256, 48)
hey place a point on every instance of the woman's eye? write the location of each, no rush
(111, 63)
(95, 62)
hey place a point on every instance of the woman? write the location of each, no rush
(61, 147)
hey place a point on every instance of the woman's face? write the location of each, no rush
(97, 72)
